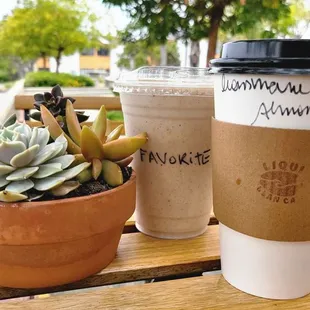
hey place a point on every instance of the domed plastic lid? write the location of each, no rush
(264, 56)
(166, 81)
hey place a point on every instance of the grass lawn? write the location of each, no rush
(115, 115)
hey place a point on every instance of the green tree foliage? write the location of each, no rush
(292, 21)
(41, 28)
(138, 54)
(13, 68)
(156, 20)
(7, 70)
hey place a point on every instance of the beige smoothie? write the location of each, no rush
(174, 196)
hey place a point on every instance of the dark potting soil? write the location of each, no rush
(89, 188)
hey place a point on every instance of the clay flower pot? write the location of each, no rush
(51, 243)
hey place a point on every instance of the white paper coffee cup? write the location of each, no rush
(264, 95)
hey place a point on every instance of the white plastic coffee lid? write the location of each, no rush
(166, 81)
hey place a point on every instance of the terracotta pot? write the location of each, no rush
(111, 125)
(51, 243)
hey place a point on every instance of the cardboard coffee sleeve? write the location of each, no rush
(261, 180)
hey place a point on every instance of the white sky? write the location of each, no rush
(110, 19)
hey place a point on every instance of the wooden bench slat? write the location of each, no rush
(208, 292)
(141, 257)
(130, 224)
(131, 221)
(25, 102)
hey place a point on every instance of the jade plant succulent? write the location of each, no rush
(30, 167)
(107, 154)
(55, 102)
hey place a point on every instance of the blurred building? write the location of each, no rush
(91, 61)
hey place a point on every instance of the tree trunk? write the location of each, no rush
(186, 52)
(43, 55)
(195, 53)
(132, 63)
(163, 55)
(215, 21)
(57, 64)
(44, 62)
(58, 58)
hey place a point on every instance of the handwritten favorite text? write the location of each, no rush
(191, 158)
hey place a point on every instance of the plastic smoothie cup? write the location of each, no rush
(264, 83)
(174, 106)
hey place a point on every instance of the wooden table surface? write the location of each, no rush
(176, 266)
(207, 292)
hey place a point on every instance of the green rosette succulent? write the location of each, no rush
(30, 167)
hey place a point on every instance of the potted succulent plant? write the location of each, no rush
(65, 195)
